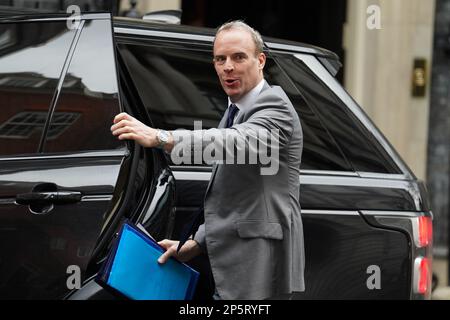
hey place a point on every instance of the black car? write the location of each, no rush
(67, 185)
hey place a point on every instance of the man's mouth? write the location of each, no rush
(231, 82)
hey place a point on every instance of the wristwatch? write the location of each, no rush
(163, 138)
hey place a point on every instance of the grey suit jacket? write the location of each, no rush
(253, 230)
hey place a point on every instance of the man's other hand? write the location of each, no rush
(189, 250)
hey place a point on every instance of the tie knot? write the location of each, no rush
(231, 113)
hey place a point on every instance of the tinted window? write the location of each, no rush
(88, 100)
(355, 141)
(179, 86)
(31, 59)
(319, 150)
(176, 86)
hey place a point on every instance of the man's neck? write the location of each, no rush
(248, 99)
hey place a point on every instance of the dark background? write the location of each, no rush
(318, 22)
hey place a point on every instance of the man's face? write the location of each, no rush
(238, 66)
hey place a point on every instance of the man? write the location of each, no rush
(253, 231)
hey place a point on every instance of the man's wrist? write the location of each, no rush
(164, 140)
(196, 246)
(168, 147)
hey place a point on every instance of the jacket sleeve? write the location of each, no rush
(267, 126)
(200, 237)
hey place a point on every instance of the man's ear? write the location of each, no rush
(261, 60)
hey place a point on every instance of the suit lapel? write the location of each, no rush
(240, 114)
(223, 121)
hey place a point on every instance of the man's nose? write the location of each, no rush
(228, 65)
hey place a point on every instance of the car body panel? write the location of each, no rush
(41, 241)
(332, 202)
(37, 248)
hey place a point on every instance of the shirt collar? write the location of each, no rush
(249, 98)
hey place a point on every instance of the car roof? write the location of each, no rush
(207, 35)
(201, 33)
(130, 26)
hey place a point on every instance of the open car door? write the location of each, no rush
(66, 183)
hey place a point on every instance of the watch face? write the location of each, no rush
(163, 136)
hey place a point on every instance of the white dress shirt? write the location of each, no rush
(248, 99)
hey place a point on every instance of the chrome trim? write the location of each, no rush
(415, 229)
(330, 212)
(287, 47)
(192, 176)
(7, 201)
(96, 198)
(23, 18)
(370, 175)
(417, 262)
(427, 294)
(315, 66)
(93, 154)
(207, 168)
(329, 173)
(303, 211)
(354, 181)
(96, 16)
(162, 34)
(10, 201)
(374, 175)
(393, 214)
(314, 180)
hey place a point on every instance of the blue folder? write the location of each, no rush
(133, 271)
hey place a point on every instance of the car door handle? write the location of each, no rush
(53, 197)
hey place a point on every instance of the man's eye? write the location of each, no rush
(239, 57)
(219, 59)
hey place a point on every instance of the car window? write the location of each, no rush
(27, 84)
(88, 100)
(179, 86)
(319, 150)
(357, 144)
(176, 86)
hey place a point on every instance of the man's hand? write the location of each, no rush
(189, 250)
(127, 127)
